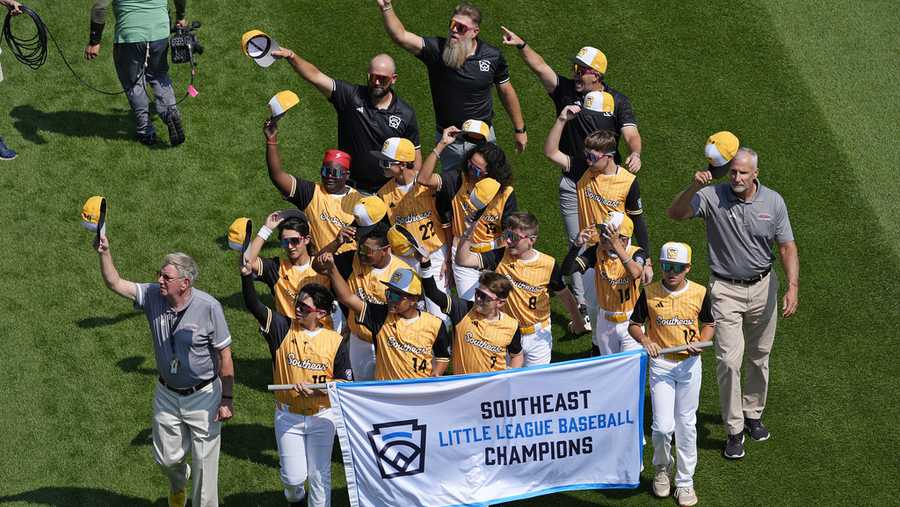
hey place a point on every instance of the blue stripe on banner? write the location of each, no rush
(642, 381)
(397, 434)
(557, 489)
(370, 383)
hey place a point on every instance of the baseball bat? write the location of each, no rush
(288, 387)
(681, 348)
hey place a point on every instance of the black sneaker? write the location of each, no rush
(756, 430)
(148, 139)
(734, 446)
(176, 132)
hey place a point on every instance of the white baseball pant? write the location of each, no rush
(362, 358)
(675, 397)
(304, 448)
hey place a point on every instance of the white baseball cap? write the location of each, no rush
(675, 252)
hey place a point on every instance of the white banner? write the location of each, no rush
(494, 437)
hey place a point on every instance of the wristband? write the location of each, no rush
(385, 9)
(229, 397)
(96, 33)
(520, 131)
(264, 233)
(522, 45)
(271, 143)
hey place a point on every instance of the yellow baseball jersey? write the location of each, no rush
(327, 213)
(490, 223)
(304, 357)
(365, 282)
(481, 345)
(616, 291)
(598, 195)
(673, 318)
(414, 207)
(285, 280)
(405, 348)
(533, 280)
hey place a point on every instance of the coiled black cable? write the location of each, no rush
(32, 51)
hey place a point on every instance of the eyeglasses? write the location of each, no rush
(294, 241)
(580, 70)
(476, 171)
(336, 172)
(483, 295)
(673, 267)
(166, 278)
(378, 78)
(459, 28)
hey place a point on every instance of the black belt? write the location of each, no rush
(187, 390)
(747, 281)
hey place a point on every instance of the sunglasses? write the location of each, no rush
(580, 70)
(286, 242)
(393, 296)
(387, 164)
(476, 171)
(673, 267)
(379, 79)
(306, 309)
(591, 157)
(512, 238)
(459, 28)
(483, 295)
(336, 172)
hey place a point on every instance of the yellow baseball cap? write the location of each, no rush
(600, 102)
(282, 101)
(259, 46)
(240, 233)
(720, 148)
(484, 192)
(476, 128)
(403, 242)
(397, 149)
(93, 214)
(369, 210)
(675, 252)
(591, 57)
(405, 280)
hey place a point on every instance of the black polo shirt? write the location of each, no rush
(362, 127)
(463, 94)
(572, 140)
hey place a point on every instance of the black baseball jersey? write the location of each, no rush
(465, 93)
(571, 141)
(362, 127)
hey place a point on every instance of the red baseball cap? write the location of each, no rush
(337, 157)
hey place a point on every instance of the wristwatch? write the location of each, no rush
(519, 131)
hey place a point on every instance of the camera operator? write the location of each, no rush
(15, 8)
(140, 54)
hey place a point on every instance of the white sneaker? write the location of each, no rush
(661, 484)
(686, 496)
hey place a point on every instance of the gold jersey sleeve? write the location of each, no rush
(601, 194)
(480, 345)
(529, 300)
(404, 347)
(328, 213)
(366, 282)
(307, 359)
(673, 319)
(616, 291)
(415, 209)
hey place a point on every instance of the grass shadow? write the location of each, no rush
(235, 301)
(94, 322)
(251, 442)
(255, 374)
(31, 123)
(134, 364)
(76, 497)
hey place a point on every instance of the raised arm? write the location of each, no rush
(571, 263)
(395, 29)
(283, 181)
(633, 140)
(465, 257)
(681, 208)
(551, 145)
(111, 277)
(426, 176)
(339, 285)
(252, 253)
(532, 59)
(307, 71)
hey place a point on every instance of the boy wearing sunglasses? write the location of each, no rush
(287, 275)
(462, 70)
(617, 267)
(409, 343)
(303, 352)
(674, 311)
(534, 275)
(330, 202)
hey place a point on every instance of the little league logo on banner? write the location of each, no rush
(493, 437)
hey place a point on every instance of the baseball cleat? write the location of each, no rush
(756, 430)
(661, 484)
(686, 496)
(734, 447)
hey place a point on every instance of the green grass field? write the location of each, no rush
(811, 86)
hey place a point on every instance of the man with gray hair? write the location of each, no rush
(192, 346)
(367, 115)
(744, 219)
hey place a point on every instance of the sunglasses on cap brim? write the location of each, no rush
(336, 172)
(673, 267)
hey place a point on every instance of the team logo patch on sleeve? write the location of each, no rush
(394, 121)
(399, 447)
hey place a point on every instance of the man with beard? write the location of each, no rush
(461, 71)
(367, 114)
(743, 219)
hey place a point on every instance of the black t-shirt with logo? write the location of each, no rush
(362, 127)
(465, 93)
(571, 141)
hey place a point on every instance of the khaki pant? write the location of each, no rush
(745, 320)
(186, 423)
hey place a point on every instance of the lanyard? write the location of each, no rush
(173, 325)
